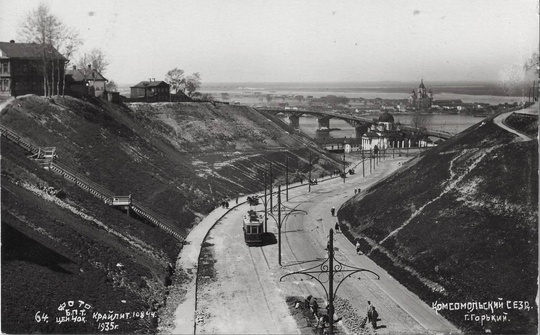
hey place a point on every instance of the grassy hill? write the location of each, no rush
(61, 244)
(460, 224)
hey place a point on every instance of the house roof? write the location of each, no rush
(145, 83)
(85, 74)
(29, 51)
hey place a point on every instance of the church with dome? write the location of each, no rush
(421, 98)
(386, 133)
(383, 134)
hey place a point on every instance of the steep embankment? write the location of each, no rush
(61, 244)
(459, 224)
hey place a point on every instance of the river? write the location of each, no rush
(452, 123)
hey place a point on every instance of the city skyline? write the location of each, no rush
(300, 41)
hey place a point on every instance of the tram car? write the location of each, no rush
(253, 228)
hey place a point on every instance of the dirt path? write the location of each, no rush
(246, 295)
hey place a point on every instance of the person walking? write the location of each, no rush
(314, 307)
(333, 211)
(370, 312)
(357, 247)
(307, 301)
(374, 317)
(337, 227)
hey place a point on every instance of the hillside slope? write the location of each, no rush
(459, 224)
(61, 244)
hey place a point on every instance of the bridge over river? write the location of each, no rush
(359, 122)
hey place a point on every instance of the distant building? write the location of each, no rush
(448, 104)
(26, 68)
(151, 90)
(84, 82)
(383, 135)
(421, 98)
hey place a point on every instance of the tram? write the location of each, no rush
(253, 227)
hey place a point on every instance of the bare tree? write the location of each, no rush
(176, 79)
(40, 26)
(420, 122)
(96, 58)
(193, 83)
(67, 46)
(533, 64)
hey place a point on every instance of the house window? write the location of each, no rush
(5, 68)
(4, 85)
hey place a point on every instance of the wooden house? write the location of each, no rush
(85, 82)
(30, 68)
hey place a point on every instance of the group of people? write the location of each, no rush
(225, 204)
(323, 319)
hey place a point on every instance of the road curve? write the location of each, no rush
(247, 297)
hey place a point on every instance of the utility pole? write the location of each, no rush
(279, 224)
(271, 190)
(265, 206)
(363, 160)
(344, 174)
(309, 175)
(370, 156)
(287, 178)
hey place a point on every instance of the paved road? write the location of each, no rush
(500, 121)
(247, 296)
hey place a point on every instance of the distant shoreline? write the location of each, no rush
(454, 87)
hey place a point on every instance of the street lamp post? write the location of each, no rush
(327, 273)
(279, 220)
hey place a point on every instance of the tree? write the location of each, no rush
(96, 58)
(533, 64)
(193, 83)
(111, 86)
(40, 26)
(67, 46)
(176, 79)
(207, 97)
(419, 122)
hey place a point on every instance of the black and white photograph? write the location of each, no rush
(269, 167)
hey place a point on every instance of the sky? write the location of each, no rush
(299, 41)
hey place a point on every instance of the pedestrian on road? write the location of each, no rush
(314, 307)
(369, 312)
(307, 301)
(337, 227)
(237, 200)
(374, 316)
(333, 211)
(354, 191)
(357, 247)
